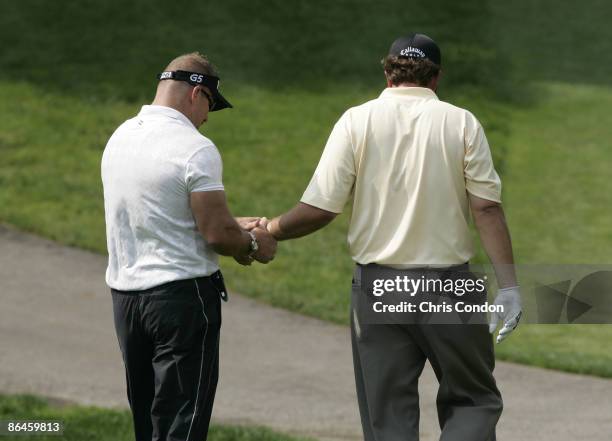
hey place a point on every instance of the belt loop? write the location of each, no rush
(217, 280)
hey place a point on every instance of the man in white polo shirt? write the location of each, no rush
(166, 222)
(414, 167)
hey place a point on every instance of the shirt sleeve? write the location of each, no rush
(481, 179)
(334, 177)
(204, 170)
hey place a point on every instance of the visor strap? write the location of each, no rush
(193, 78)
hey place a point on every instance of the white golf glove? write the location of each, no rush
(510, 299)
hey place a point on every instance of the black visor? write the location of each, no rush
(198, 79)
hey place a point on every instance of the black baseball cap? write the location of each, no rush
(416, 46)
(199, 79)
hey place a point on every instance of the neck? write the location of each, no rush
(167, 101)
(406, 85)
(411, 85)
(174, 103)
(433, 84)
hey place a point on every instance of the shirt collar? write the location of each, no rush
(169, 112)
(409, 92)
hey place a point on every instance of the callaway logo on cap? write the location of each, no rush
(416, 46)
(198, 79)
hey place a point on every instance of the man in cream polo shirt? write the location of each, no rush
(414, 168)
(166, 222)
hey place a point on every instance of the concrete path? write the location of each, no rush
(278, 369)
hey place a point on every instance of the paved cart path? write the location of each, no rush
(278, 369)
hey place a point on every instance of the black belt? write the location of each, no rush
(216, 279)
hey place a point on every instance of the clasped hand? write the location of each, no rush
(265, 241)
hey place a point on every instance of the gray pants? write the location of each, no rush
(388, 360)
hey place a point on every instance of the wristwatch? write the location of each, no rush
(253, 246)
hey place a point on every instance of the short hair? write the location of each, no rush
(193, 62)
(401, 70)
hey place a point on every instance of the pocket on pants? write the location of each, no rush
(175, 322)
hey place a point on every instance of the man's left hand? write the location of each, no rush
(510, 299)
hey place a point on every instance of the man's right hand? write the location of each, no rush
(267, 245)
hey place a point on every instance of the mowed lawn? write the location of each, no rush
(82, 423)
(558, 201)
(550, 134)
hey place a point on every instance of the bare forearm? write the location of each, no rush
(495, 238)
(231, 240)
(300, 221)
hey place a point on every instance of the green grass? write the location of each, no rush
(95, 424)
(72, 71)
(559, 197)
(582, 349)
(559, 205)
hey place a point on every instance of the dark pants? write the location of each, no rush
(388, 360)
(169, 339)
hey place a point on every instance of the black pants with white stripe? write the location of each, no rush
(169, 339)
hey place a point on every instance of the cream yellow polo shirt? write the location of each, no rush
(407, 160)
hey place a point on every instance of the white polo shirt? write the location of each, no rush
(149, 167)
(407, 161)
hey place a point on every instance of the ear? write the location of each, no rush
(433, 83)
(193, 95)
(389, 84)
